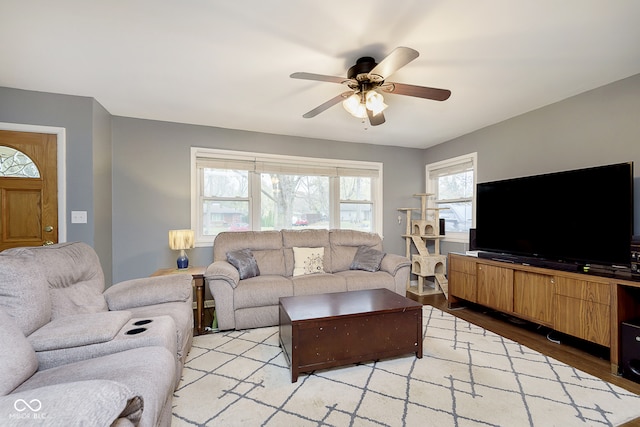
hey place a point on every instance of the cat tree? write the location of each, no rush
(422, 233)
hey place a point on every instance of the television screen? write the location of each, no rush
(578, 216)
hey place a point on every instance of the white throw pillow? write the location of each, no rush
(308, 261)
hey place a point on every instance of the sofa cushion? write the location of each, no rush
(261, 291)
(304, 239)
(323, 283)
(308, 261)
(270, 261)
(244, 262)
(77, 299)
(229, 241)
(344, 245)
(77, 403)
(359, 279)
(266, 247)
(19, 360)
(138, 369)
(367, 259)
(24, 292)
(75, 278)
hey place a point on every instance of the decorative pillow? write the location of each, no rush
(244, 262)
(367, 259)
(308, 261)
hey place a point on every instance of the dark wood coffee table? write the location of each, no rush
(335, 329)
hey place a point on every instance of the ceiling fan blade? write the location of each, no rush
(417, 91)
(397, 59)
(325, 106)
(376, 120)
(319, 77)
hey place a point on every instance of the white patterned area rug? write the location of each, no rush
(467, 377)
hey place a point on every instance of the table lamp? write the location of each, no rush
(181, 240)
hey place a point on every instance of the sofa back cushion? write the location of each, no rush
(19, 360)
(309, 238)
(24, 293)
(75, 278)
(266, 247)
(345, 244)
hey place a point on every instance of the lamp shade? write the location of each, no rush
(181, 239)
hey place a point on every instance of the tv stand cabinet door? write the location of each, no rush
(462, 278)
(583, 309)
(533, 297)
(495, 287)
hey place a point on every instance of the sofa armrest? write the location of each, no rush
(95, 402)
(149, 291)
(222, 270)
(391, 263)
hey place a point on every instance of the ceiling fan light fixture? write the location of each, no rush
(375, 102)
(355, 107)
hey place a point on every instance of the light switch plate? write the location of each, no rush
(78, 217)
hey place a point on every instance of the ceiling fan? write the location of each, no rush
(365, 81)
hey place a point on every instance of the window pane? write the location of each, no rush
(14, 163)
(226, 183)
(355, 188)
(356, 216)
(220, 216)
(457, 218)
(290, 201)
(456, 186)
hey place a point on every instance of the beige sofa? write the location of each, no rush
(253, 302)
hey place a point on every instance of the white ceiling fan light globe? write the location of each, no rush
(375, 102)
(353, 105)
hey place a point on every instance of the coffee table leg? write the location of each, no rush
(419, 352)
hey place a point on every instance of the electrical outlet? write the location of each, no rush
(78, 217)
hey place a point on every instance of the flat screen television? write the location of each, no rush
(577, 217)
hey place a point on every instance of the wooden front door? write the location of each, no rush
(28, 189)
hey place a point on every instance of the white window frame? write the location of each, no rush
(431, 187)
(334, 167)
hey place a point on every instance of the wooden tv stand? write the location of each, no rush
(582, 305)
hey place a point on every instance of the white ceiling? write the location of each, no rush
(227, 63)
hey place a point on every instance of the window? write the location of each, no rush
(14, 163)
(452, 182)
(237, 191)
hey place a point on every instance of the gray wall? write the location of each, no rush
(151, 184)
(85, 121)
(595, 128)
(132, 176)
(102, 188)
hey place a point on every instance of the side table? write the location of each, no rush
(198, 280)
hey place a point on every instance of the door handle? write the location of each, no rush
(48, 228)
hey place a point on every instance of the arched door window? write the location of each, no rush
(14, 163)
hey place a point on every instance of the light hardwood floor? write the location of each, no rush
(589, 358)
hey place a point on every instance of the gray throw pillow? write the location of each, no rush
(367, 259)
(244, 262)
